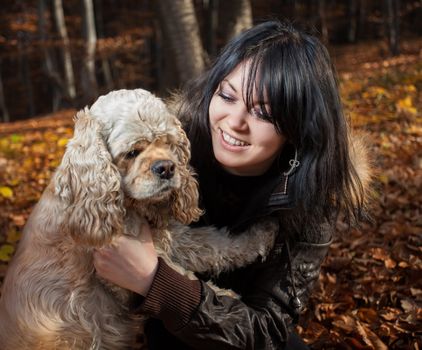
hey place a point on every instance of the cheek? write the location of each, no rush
(269, 137)
(277, 143)
(214, 112)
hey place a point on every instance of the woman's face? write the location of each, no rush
(243, 143)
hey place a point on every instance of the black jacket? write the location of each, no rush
(273, 292)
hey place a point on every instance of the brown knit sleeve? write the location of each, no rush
(172, 298)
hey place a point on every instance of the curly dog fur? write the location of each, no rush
(127, 162)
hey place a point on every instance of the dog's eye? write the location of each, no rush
(132, 154)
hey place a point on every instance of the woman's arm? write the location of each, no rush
(132, 262)
(262, 318)
(193, 311)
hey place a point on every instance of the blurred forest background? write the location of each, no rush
(57, 56)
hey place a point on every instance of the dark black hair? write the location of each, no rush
(296, 73)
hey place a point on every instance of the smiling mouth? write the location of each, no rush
(232, 141)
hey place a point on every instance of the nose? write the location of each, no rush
(164, 169)
(237, 119)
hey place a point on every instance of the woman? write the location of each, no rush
(268, 137)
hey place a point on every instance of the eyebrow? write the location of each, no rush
(232, 87)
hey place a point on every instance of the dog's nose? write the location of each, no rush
(164, 169)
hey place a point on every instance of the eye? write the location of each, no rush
(226, 97)
(258, 113)
(133, 154)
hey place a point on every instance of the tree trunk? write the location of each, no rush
(236, 16)
(25, 73)
(211, 25)
(49, 68)
(105, 64)
(89, 79)
(392, 24)
(5, 113)
(362, 17)
(353, 24)
(67, 57)
(181, 31)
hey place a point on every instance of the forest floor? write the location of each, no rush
(370, 291)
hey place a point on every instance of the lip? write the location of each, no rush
(228, 146)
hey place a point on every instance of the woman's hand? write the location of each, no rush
(129, 262)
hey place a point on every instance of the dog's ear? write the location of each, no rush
(182, 146)
(89, 185)
(185, 201)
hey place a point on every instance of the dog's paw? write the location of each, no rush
(223, 292)
(268, 224)
(263, 234)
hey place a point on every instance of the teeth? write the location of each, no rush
(232, 141)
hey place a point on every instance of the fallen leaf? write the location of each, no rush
(367, 315)
(390, 263)
(406, 105)
(62, 142)
(6, 192)
(13, 236)
(408, 305)
(345, 322)
(6, 252)
(369, 337)
(16, 138)
(390, 314)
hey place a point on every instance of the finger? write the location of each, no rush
(146, 235)
(103, 252)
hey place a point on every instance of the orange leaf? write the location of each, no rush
(369, 337)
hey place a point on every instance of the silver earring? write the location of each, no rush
(294, 163)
